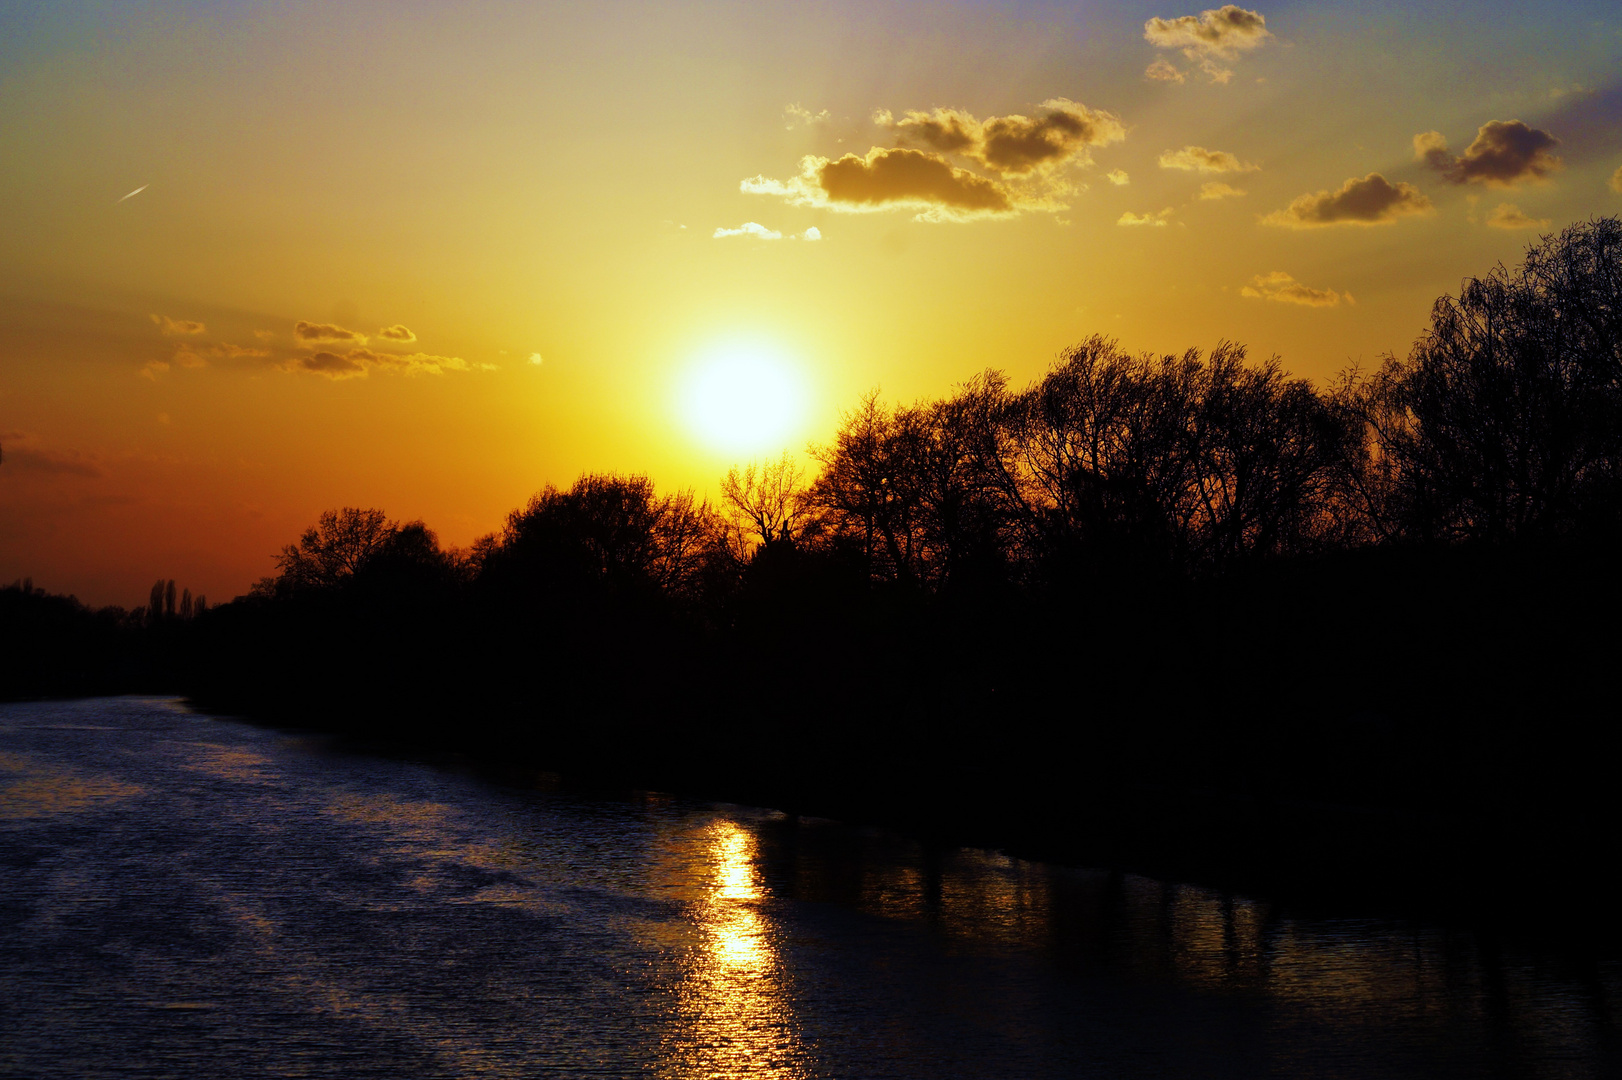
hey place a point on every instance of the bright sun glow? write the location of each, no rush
(743, 397)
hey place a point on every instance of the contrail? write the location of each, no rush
(134, 193)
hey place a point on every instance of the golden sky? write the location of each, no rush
(258, 259)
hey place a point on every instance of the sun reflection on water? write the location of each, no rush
(734, 1013)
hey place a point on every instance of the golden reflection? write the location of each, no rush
(733, 1012)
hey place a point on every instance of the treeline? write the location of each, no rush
(1184, 609)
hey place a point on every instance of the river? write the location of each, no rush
(191, 896)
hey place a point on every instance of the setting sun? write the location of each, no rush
(743, 397)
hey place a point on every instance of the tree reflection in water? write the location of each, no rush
(733, 1014)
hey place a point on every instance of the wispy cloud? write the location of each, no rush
(1505, 154)
(1153, 219)
(1118, 177)
(359, 362)
(748, 228)
(1509, 216)
(397, 333)
(1216, 33)
(1372, 200)
(132, 194)
(23, 456)
(1616, 180)
(177, 327)
(1216, 189)
(1199, 159)
(1284, 289)
(797, 116)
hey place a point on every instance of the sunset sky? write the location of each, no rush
(258, 260)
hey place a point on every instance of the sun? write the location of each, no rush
(743, 397)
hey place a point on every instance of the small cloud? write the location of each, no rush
(397, 333)
(536, 359)
(1199, 159)
(1616, 181)
(1217, 33)
(177, 327)
(1163, 70)
(153, 368)
(1150, 219)
(1284, 289)
(1118, 177)
(1216, 189)
(748, 228)
(329, 364)
(1372, 200)
(796, 116)
(1505, 154)
(813, 233)
(312, 332)
(265, 335)
(1509, 216)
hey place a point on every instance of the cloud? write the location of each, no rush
(813, 233)
(1217, 33)
(359, 362)
(26, 458)
(1118, 177)
(1373, 200)
(397, 333)
(889, 179)
(1284, 289)
(1225, 31)
(1616, 181)
(177, 327)
(794, 116)
(1163, 71)
(265, 335)
(1151, 219)
(1199, 159)
(1012, 145)
(308, 331)
(1216, 189)
(748, 228)
(1509, 216)
(1505, 154)
(536, 359)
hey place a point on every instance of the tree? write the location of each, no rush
(766, 504)
(334, 549)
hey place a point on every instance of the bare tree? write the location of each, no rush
(335, 548)
(765, 504)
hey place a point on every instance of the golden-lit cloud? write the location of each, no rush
(317, 332)
(192, 355)
(1163, 71)
(1216, 33)
(1216, 189)
(748, 228)
(1509, 216)
(397, 333)
(177, 327)
(1616, 180)
(890, 179)
(1118, 177)
(813, 233)
(1199, 159)
(1505, 154)
(1152, 219)
(1373, 200)
(359, 362)
(1284, 289)
(1012, 145)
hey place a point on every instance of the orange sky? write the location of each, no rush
(624, 192)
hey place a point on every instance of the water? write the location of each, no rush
(188, 896)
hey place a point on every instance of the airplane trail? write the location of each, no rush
(134, 193)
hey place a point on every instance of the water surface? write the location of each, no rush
(191, 896)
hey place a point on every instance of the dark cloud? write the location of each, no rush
(359, 362)
(177, 327)
(1510, 216)
(946, 130)
(1505, 154)
(886, 179)
(308, 331)
(1373, 200)
(397, 333)
(329, 364)
(31, 459)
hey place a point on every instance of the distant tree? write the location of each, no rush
(766, 504)
(154, 607)
(169, 599)
(334, 549)
(185, 604)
